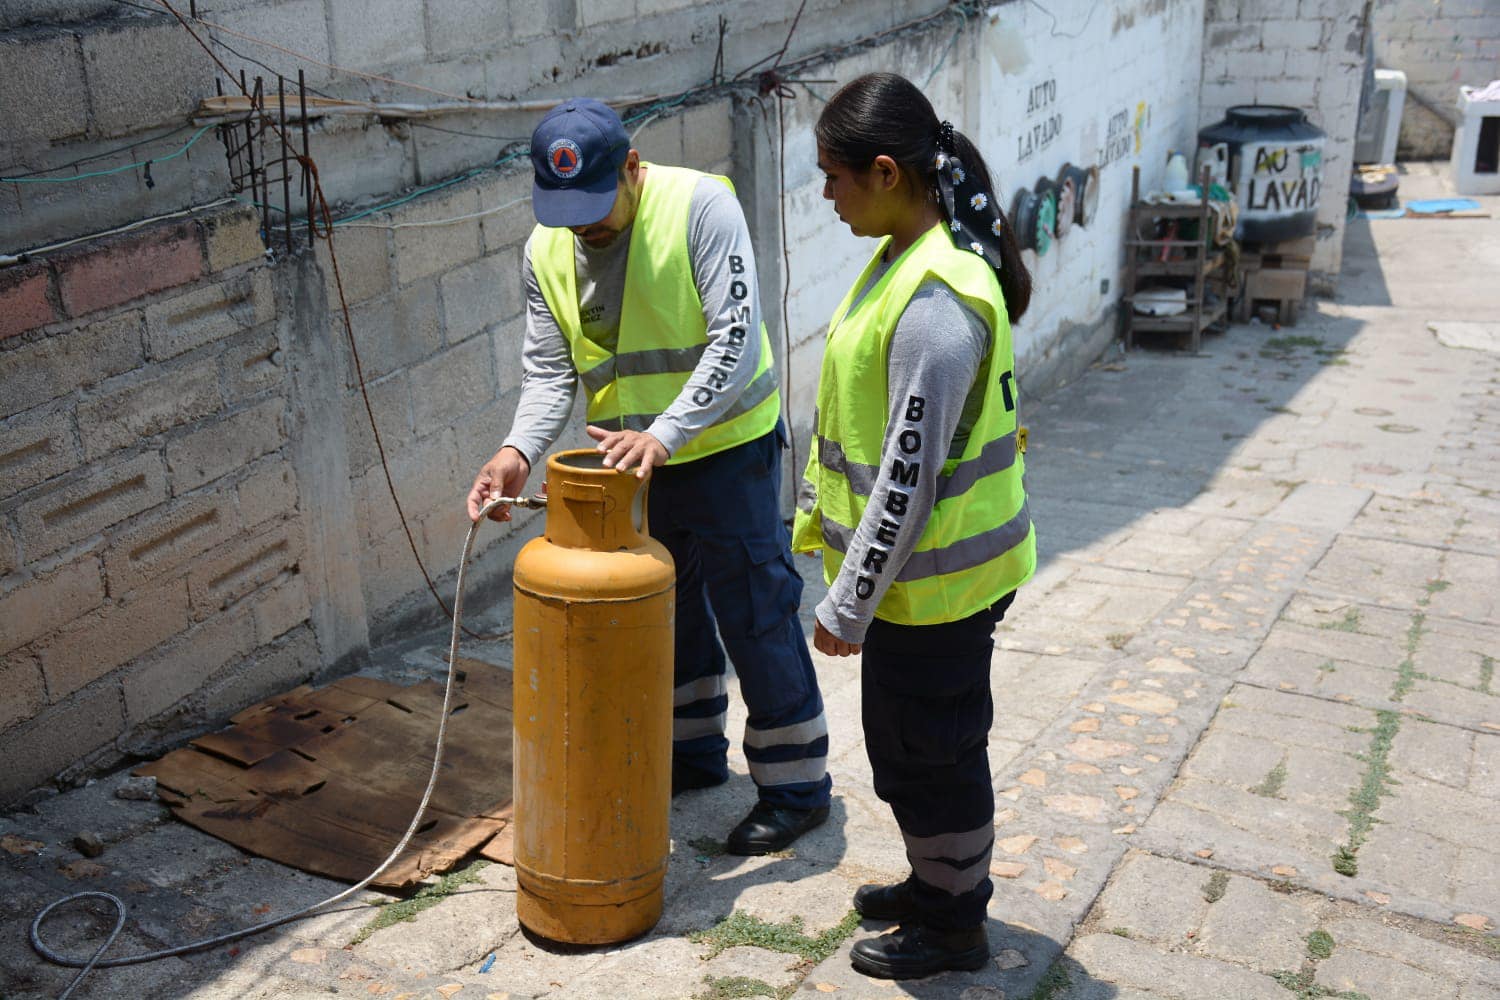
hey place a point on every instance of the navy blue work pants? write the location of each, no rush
(927, 710)
(720, 518)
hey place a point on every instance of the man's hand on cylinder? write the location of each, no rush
(629, 449)
(504, 475)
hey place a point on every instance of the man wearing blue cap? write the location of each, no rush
(641, 286)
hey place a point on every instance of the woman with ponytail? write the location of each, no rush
(914, 495)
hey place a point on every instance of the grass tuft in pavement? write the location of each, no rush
(1054, 984)
(738, 987)
(1319, 944)
(1290, 342)
(788, 937)
(1303, 988)
(425, 899)
(1271, 787)
(1214, 888)
(1373, 786)
(1486, 674)
(1406, 670)
(1350, 622)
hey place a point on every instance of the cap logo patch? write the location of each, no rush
(565, 158)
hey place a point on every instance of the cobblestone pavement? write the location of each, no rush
(1247, 734)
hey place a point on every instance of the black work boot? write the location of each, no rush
(886, 902)
(687, 779)
(912, 951)
(768, 829)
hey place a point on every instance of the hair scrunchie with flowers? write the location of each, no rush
(973, 216)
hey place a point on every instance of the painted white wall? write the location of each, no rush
(1136, 60)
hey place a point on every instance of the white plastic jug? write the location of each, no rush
(1177, 173)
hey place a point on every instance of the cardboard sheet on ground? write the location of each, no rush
(327, 779)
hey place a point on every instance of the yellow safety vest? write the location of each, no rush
(662, 330)
(979, 543)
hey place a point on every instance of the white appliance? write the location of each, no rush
(1476, 143)
(1379, 127)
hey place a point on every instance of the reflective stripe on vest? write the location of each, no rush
(663, 334)
(978, 543)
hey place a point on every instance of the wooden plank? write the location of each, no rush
(1276, 283)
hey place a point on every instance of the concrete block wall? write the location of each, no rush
(1439, 45)
(150, 538)
(82, 77)
(1307, 54)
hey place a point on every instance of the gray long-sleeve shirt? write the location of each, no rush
(724, 273)
(939, 354)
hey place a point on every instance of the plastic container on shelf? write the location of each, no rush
(1177, 173)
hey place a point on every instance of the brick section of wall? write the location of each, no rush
(251, 363)
(269, 490)
(62, 735)
(154, 684)
(376, 33)
(25, 299)
(232, 239)
(120, 270)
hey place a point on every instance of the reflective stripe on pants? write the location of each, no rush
(719, 517)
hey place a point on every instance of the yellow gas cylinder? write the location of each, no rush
(595, 601)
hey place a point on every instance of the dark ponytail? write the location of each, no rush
(885, 114)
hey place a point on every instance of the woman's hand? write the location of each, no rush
(825, 641)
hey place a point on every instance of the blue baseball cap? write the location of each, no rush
(576, 154)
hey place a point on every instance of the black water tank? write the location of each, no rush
(1275, 160)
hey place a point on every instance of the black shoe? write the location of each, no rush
(886, 902)
(687, 779)
(913, 951)
(769, 829)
